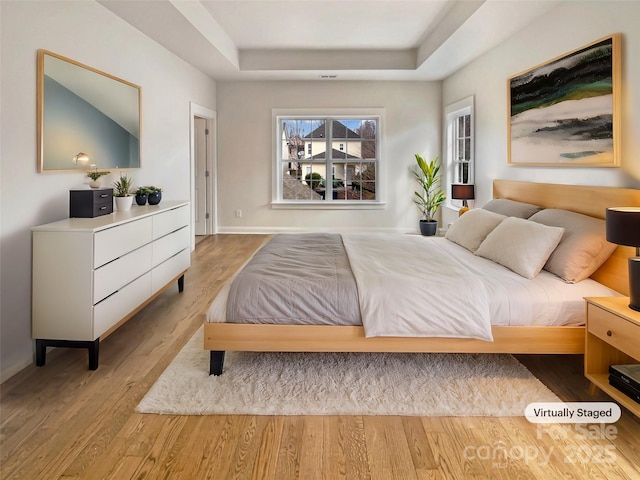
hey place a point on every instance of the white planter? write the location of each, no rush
(124, 203)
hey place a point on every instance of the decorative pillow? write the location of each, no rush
(511, 208)
(471, 228)
(520, 245)
(583, 247)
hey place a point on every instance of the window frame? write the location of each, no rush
(327, 115)
(452, 113)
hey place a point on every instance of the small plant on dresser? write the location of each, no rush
(142, 193)
(122, 192)
(155, 195)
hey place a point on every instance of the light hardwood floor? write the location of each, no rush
(64, 421)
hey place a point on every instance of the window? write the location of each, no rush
(460, 146)
(327, 160)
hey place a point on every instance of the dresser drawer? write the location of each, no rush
(170, 269)
(169, 245)
(170, 221)
(113, 309)
(614, 330)
(114, 242)
(112, 276)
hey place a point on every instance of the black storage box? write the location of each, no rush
(87, 203)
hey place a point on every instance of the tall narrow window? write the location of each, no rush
(327, 160)
(460, 143)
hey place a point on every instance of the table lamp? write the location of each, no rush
(81, 159)
(464, 192)
(623, 228)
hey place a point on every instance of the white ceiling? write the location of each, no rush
(311, 39)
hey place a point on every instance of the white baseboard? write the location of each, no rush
(271, 230)
(11, 371)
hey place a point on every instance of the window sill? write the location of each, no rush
(333, 205)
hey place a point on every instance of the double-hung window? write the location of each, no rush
(460, 143)
(328, 160)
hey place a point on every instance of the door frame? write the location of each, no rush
(210, 116)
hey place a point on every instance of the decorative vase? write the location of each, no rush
(154, 198)
(124, 203)
(95, 183)
(428, 227)
(141, 198)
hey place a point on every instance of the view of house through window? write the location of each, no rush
(328, 159)
(460, 151)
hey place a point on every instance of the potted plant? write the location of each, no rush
(122, 192)
(142, 194)
(95, 175)
(155, 194)
(431, 196)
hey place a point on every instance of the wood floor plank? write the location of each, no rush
(65, 421)
(312, 448)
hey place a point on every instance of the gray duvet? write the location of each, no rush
(300, 279)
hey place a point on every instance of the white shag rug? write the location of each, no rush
(430, 384)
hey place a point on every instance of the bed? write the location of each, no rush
(516, 331)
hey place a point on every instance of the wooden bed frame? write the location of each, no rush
(588, 200)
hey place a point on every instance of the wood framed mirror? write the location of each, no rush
(81, 109)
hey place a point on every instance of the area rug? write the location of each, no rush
(344, 384)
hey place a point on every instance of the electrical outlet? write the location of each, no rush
(238, 213)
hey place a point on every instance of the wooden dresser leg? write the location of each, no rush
(181, 284)
(593, 389)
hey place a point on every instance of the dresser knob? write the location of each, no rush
(609, 333)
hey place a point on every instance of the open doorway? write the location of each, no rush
(203, 171)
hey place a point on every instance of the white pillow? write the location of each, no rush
(472, 227)
(521, 245)
(511, 208)
(583, 247)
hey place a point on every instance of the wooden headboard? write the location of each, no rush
(588, 200)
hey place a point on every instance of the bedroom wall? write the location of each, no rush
(245, 151)
(87, 32)
(565, 28)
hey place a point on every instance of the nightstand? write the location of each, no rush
(612, 338)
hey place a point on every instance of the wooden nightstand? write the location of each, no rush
(612, 338)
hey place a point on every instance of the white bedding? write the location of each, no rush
(408, 287)
(509, 298)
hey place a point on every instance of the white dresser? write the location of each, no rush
(90, 275)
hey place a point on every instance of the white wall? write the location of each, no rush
(245, 150)
(565, 28)
(87, 32)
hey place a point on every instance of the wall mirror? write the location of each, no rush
(81, 109)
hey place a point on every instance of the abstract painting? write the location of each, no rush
(566, 111)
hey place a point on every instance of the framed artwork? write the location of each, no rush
(566, 112)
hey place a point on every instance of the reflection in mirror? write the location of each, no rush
(81, 109)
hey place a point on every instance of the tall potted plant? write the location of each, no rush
(431, 197)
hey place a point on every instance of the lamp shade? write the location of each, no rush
(623, 225)
(462, 192)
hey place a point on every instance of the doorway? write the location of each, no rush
(203, 168)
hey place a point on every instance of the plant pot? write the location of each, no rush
(95, 183)
(428, 227)
(154, 198)
(124, 203)
(141, 198)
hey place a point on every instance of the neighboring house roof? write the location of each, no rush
(294, 188)
(340, 130)
(334, 154)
